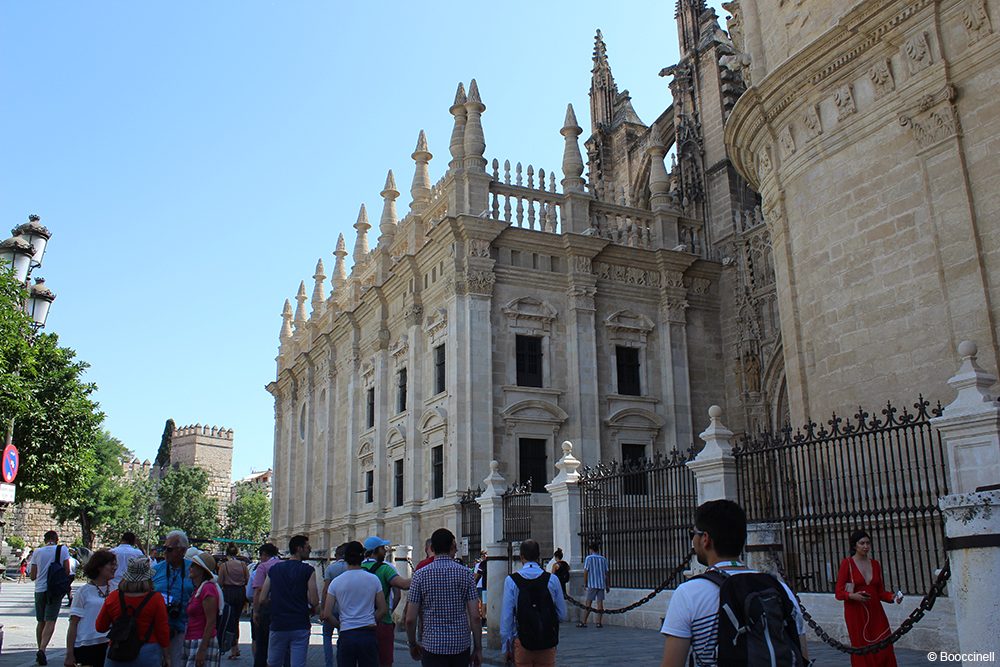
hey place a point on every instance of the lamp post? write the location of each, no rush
(23, 253)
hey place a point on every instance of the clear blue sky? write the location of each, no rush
(194, 159)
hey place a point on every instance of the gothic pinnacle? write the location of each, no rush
(318, 297)
(420, 188)
(456, 145)
(572, 164)
(300, 309)
(286, 322)
(387, 224)
(361, 244)
(474, 141)
(339, 270)
(600, 51)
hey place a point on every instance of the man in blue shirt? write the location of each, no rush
(597, 581)
(530, 569)
(170, 578)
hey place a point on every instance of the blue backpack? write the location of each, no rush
(58, 581)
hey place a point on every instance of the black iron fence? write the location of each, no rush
(883, 474)
(516, 517)
(640, 512)
(472, 522)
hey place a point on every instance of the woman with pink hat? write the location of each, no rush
(201, 645)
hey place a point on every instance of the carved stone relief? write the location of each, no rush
(674, 308)
(843, 99)
(582, 264)
(976, 20)
(764, 165)
(917, 53)
(479, 248)
(810, 118)
(881, 77)
(480, 282)
(673, 279)
(630, 275)
(934, 119)
(786, 142)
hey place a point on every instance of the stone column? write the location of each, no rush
(970, 427)
(581, 357)
(714, 467)
(402, 555)
(565, 493)
(765, 544)
(676, 380)
(491, 503)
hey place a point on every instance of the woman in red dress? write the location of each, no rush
(860, 586)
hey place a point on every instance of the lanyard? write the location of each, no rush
(179, 571)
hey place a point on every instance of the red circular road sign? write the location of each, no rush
(11, 462)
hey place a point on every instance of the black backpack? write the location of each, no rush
(562, 572)
(536, 616)
(123, 635)
(58, 582)
(756, 621)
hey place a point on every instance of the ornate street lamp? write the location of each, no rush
(35, 233)
(17, 253)
(40, 298)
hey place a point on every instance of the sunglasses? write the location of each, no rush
(695, 532)
(169, 549)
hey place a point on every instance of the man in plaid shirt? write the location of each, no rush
(444, 596)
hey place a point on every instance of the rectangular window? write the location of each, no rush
(633, 483)
(628, 370)
(532, 465)
(529, 361)
(397, 474)
(401, 390)
(437, 472)
(370, 486)
(370, 407)
(439, 360)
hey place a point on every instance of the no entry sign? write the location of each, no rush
(11, 462)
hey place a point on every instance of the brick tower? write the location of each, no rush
(211, 449)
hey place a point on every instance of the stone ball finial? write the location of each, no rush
(494, 466)
(967, 348)
(715, 412)
(567, 448)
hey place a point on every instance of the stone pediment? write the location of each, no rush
(535, 410)
(635, 418)
(432, 419)
(528, 311)
(627, 321)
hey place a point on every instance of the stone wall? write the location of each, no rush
(32, 519)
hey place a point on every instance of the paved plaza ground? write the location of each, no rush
(577, 647)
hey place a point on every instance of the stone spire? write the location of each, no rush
(300, 310)
(457, 144)
(286, 322)
(475, 141)
(361, 244)
(688, 13)
(659, 182)
(388, 222)
(603, 89)
(339, 270)
(318, 298)
(420, 189)
(572, 163)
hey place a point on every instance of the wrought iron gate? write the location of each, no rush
(472, 523)
(516, 517)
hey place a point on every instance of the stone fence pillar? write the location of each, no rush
(765, 543)
(565, 493)
(970, 427)
(715, 468)
(491, 503)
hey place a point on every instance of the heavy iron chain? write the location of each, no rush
(926, 604)
(638, 603)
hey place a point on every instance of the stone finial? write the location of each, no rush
(971, 382)
(387, 224)
(318, 297)
(361, 244)
(420, 189)
(572, 163)
(474, 142)
(659, 181)
(567, 466)
(457, 143)
(339, 269)
(495, 484)
(300, 310)
(718, 439)
(286, 323)
(600, 50)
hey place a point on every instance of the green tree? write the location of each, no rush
(105, 498)
(140, 515)
(15, 351)
(163, 453)
(185, 504)
(248, 516)
(15, 542)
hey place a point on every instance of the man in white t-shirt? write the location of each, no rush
(46, 606)
(359, 599)
(691, 622)
(125, 552)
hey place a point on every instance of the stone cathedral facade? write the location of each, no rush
(511, 308)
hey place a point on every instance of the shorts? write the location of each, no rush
(384, 637)
(46, 608)
(595, 595)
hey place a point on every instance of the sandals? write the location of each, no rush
(581, 625)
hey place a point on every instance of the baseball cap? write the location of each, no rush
(374, 542)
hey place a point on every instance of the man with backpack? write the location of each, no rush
(533, 606)
(50, 570)
(731, 616)
(375, 548)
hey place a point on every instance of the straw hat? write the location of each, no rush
(138, 570)
(204, 560)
